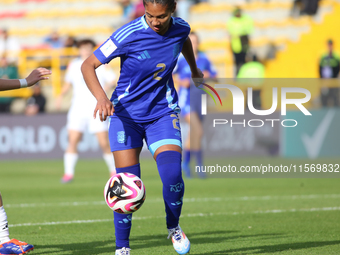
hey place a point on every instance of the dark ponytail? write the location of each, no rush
(169, 3)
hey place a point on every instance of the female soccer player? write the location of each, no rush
(191, 109)
(145, 105)
(79, 118)
(13, 246)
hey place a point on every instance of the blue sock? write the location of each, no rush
(169, 168)
(123, 221)
(186, 156)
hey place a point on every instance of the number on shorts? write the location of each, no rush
(175, 121)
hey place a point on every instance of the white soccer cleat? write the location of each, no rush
(179, 240)
(123, 251)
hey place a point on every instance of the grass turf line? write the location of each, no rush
(248, 233)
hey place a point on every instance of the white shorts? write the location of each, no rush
(82, 120)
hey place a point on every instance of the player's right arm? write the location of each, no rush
(35, 76)
(115, 46)
(188, 53)
(104, 105)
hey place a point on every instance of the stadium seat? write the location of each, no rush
(287, 65)
(12, 14)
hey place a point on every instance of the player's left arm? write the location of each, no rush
(188, 53)
(35, 76)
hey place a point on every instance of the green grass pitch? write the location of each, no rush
(220, 215)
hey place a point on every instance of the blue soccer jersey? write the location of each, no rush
(145, 90)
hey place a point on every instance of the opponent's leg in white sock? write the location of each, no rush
(110, 162)
(4, 233)
(70, 161)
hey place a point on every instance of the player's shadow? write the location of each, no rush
(272, 248)
(87, 248)
(138, 242)
(149, 241)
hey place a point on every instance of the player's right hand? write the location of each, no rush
(37, 75)
(105, 108)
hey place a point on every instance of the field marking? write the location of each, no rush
(186, 200)
(190, 215)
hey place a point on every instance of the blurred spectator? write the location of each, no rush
(7, 72)
(36, 103)
(9, 46)
(329, 67)
(128, 10)
(329, 63)
(70, 42)
(253, 73)
(54, 41)
(239, 27)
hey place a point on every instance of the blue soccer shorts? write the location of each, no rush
(126, 134)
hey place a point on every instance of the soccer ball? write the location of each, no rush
(124, 193)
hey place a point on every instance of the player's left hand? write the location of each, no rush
(104, 108)
(197, 77)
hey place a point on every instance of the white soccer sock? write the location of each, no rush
(110, 162)
(4, 233)
(70, 161)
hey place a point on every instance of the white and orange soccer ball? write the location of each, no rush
(124, 193)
